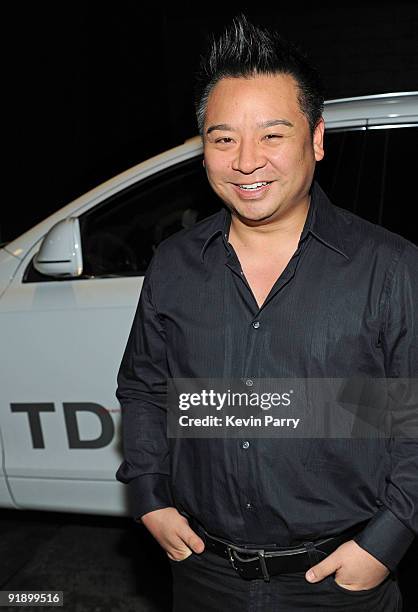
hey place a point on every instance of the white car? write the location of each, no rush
(69, 289)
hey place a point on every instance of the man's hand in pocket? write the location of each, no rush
(173, 532)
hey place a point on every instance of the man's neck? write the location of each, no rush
(280, 233)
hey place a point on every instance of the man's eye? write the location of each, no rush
(271, 136)
(223, 140)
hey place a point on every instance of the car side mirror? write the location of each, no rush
(60, 252)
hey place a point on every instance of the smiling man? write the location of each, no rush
(280, 283)
(261, 163)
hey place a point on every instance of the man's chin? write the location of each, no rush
(252, 218)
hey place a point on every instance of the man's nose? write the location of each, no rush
(249, 157)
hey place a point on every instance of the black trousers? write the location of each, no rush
(208, 583)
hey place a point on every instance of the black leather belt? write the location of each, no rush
(253, 563)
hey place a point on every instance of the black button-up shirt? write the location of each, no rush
(343, 307)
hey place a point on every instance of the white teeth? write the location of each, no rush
(253, 186)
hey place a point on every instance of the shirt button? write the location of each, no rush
(248, 505)
(249, 382)
(245, 444)
(256, 324)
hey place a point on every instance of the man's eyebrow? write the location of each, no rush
(264, 124)
(271, 122)
(220, 126)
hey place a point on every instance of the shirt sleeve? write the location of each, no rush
(391, 531)
(141, 391)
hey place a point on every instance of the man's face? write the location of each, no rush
(255, 132)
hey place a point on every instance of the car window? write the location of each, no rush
(400, 183)
(121, 236)
(371, 172)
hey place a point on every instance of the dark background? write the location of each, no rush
(97, 87)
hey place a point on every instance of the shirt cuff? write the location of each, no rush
(386, 538)
(149, 492)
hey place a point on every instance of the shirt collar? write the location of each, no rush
(323, 222)
(329, 225)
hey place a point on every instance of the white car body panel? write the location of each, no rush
(85, 320)
(86, 323)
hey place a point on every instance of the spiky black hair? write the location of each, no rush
(245, 50)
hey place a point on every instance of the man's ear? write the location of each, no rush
(318, 139)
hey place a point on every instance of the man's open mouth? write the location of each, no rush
(252, 186)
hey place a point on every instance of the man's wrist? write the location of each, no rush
(149, 492)
(386, 538)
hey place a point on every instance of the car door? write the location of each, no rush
(65, 339)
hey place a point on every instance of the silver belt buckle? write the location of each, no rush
(261, 558)
(231, 558)
(263, 565)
